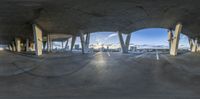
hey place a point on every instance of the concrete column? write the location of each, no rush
(193, 45)
(128, 38)
(73, 42)
(13, 46)
(175, 41)
(38, 39)
(82, 42)
(18, 44)
(85, 43)
(48, 43)
(62, 44)
(66, 44)
(27, 44)
(32, 46)
(170, 38)
(10, 47)
(124, 46)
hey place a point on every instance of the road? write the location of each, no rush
(99, 76)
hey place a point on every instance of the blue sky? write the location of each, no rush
(151, 36)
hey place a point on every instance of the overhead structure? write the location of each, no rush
(69, 17)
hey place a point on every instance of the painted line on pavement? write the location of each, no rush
(95, 54)
(108, 53)
(157, 56)
(138, 56)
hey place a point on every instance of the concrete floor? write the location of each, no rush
(99, 76)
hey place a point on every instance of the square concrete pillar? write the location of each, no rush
(175, 41)
(37, 32)
(18, 44)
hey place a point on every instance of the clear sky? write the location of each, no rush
(150, 36)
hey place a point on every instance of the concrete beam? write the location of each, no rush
(124, 46)
(38, 39)
(85, 42)
(18, 44)
(175, 40)
(73, 42)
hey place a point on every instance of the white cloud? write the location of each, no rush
(112, 35)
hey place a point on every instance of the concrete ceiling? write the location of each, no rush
(73, 16)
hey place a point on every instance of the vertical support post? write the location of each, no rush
(32, 46)
(62, 44)
(13, 46)
(193, 45)
(38, 39)
(170, 38)
(48, 43)
(82, 42)
(18, 44)
(66, 44)
(10, 47)
(85, 42)
(27, 45)
(128, 38)
(73, 42)
(124, 46)
(175, 41)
